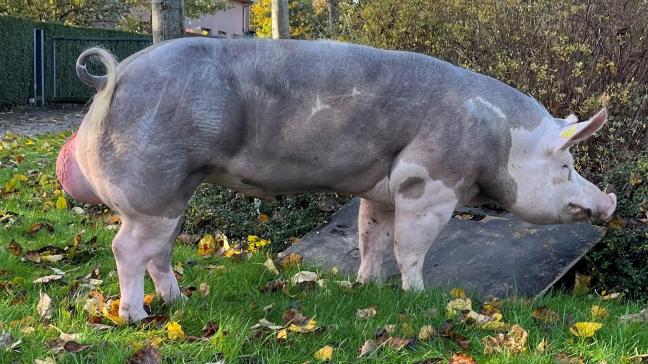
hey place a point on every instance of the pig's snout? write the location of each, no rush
(607, 207)
(70, 176)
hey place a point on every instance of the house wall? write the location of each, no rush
(233, 21)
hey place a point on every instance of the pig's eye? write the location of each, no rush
(566, 167)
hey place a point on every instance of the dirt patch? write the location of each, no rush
(33, 121)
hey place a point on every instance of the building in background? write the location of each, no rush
(231, 22)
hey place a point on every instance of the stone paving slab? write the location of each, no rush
(499, 255)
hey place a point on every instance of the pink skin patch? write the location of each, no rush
(70, 176)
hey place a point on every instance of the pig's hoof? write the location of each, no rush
(171, 295)
(132, 314)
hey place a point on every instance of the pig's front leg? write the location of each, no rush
(376, 231)
(140, 241)
(423, 207)
(161, 272)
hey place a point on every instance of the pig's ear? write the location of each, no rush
(571, 119)
(577, 132)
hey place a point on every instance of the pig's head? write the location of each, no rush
(549, 190)
(70, 176)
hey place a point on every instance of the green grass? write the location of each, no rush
(236, 303)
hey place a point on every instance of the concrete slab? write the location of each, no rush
(484, 252)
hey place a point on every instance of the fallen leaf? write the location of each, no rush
(542, 346)
(203, 288)
(462, 358)
(581, 284)
(545, 314)
(610, 296)
(324, 354)
(14, 248)
(514, 341)
(206, 245)
(265, 324)
(7, 342)
(599, 312)
(426, 333)
(146, 355)
(366, 313)
(153, 321)
(210, 329)
(457, 293)
(270, 266)
(458, 305)
(73, 346)
(585, 329)
(642, 316)
(297, 322)
(44, 307)
(47, 279)
(174, 331)
(149, 299)
(48, 360)
(282, 335)
(263, 218)
(274, 286)
(616, 222)
(564, 358)
(61, 203)
(367, 348)
(291, 260)
(400, 343)
(304, 277)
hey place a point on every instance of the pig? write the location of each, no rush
(415, 137)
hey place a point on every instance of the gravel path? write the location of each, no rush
(33, 121)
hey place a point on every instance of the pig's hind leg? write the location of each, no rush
(376, 231)
(144, 241)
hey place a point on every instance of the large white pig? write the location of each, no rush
(414, 136)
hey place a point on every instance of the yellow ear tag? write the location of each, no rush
(569, 132)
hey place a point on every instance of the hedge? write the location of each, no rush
(16, 60)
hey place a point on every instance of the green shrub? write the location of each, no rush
(573, 56)
(620, 261)
(216, 208)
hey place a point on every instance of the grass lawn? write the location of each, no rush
(30, 196)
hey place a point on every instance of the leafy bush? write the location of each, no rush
(216, 208)
(573, 56)
(620, 261)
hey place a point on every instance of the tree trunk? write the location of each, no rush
(280, 19)
(167, 20)
(333, 18)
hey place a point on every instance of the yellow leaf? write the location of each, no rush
(310, 326)
(514, 341)
(206, 245)
(148, 299)
(174, 331)
(232, 253)
(282, 335)
(585, 329)
(457, 293)
(61, 203)
(324, 354)
(222, 241)
(599, 312)
(457, 305)
(542, 346)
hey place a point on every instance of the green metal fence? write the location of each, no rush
(65, 51)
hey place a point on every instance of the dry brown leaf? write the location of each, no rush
(545, 314)
(426, 333)
(14, 248)
(462, 358)
(514, 341)
(274, 286)
(44, 307)
(366, 313)
(203, 288)
(47, 279)
(73, 346)
(367, 348)
(564, 358)
(304, 277)
(291, 260)
(147, 355)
